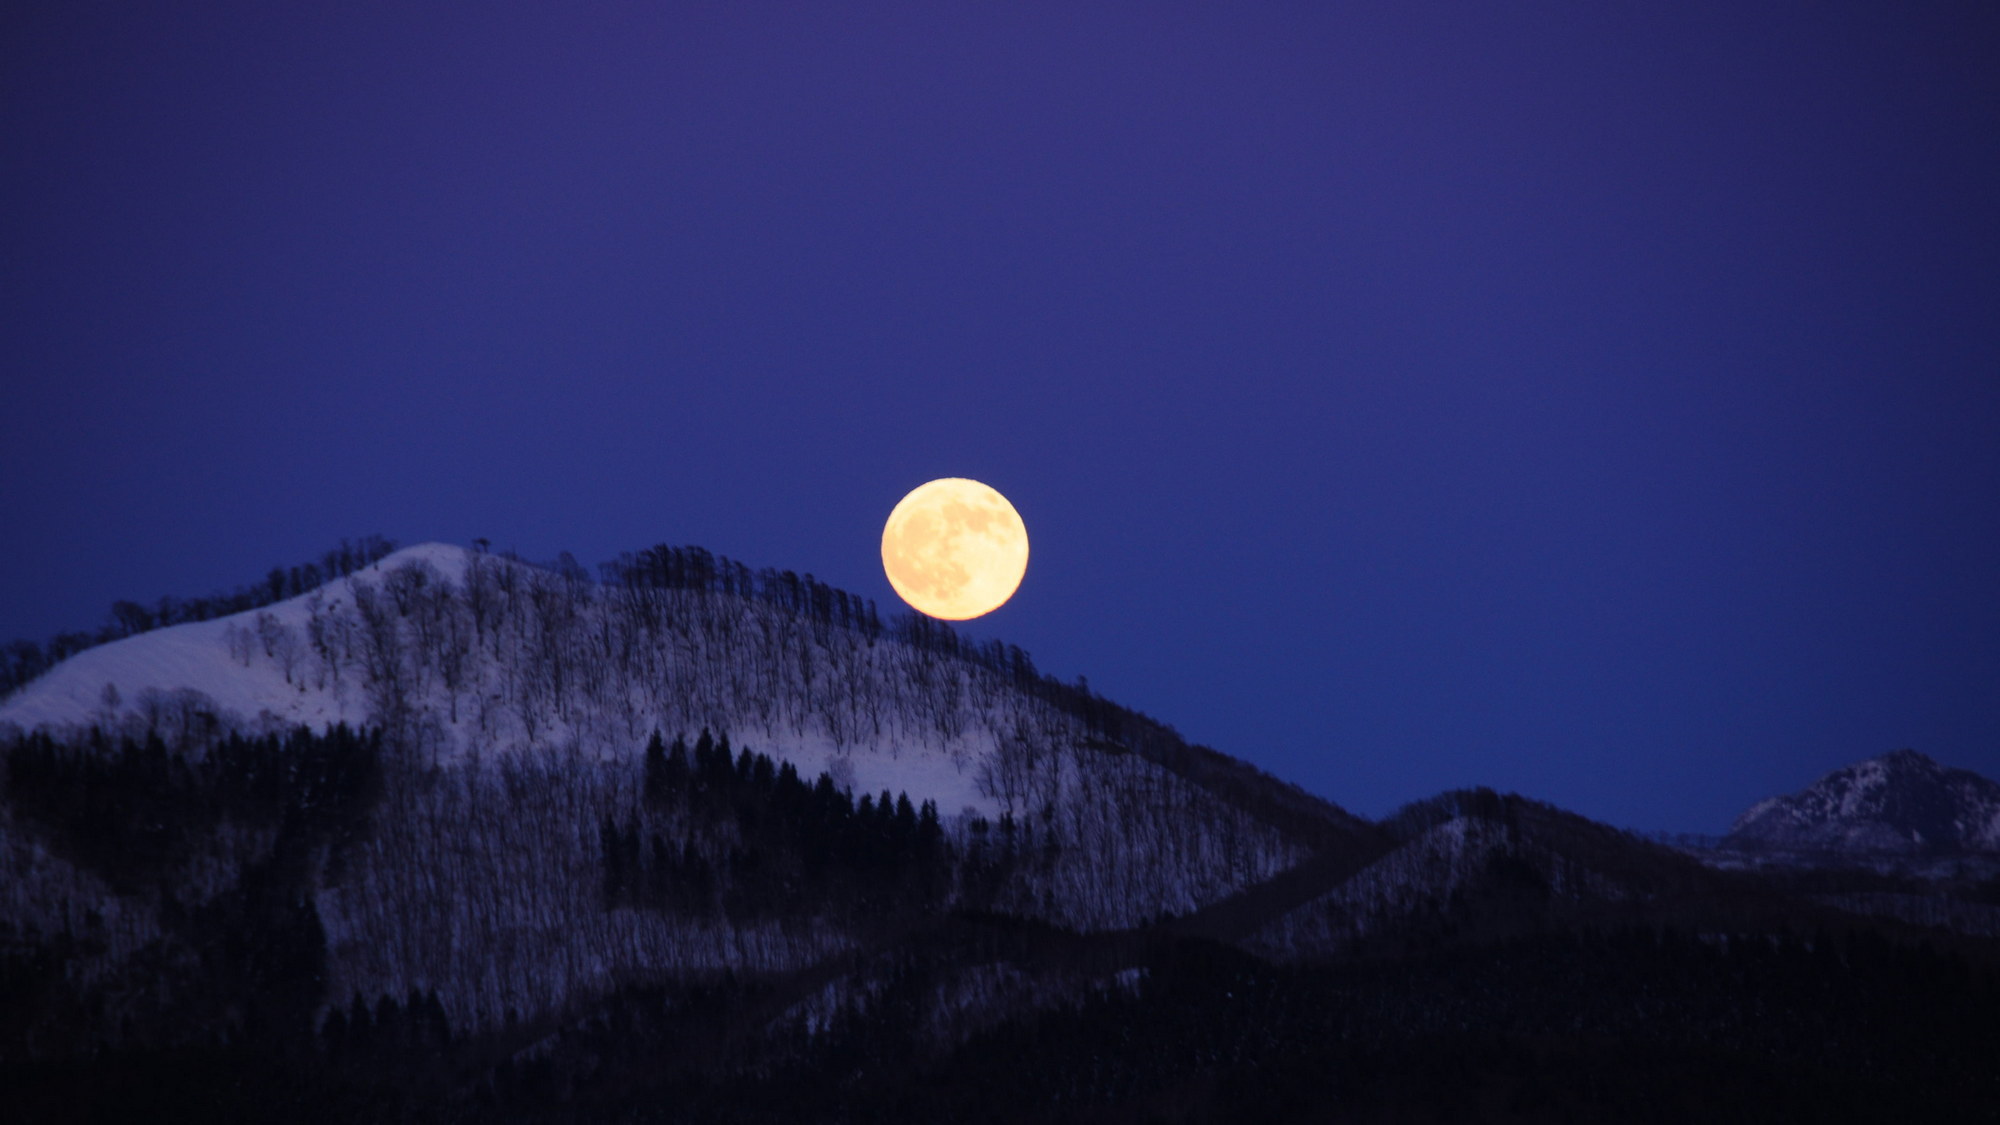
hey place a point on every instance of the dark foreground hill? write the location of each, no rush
(929, 884)
(979, 1019)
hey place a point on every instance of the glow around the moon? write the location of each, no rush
(955, 549)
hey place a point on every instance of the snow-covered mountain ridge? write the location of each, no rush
(448, 645)
(252, 670)
(1901, 803)
(463, 654)
(475, 663)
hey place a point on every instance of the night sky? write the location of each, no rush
(1594, 400)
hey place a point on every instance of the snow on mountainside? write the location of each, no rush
(316, 660)
(249, 668)
(1900, 803)
(470, 660)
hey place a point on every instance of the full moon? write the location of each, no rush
(955, 549)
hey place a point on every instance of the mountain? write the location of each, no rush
(1899, 803)
(452, 836)
(1475, 865)
(515, 705)
(465, 657)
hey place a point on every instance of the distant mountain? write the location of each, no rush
(1902, 803)
(1475, 865)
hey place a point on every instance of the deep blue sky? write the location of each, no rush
(1596, 400)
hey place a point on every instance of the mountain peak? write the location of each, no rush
(1908, 759)
(1900, 802)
